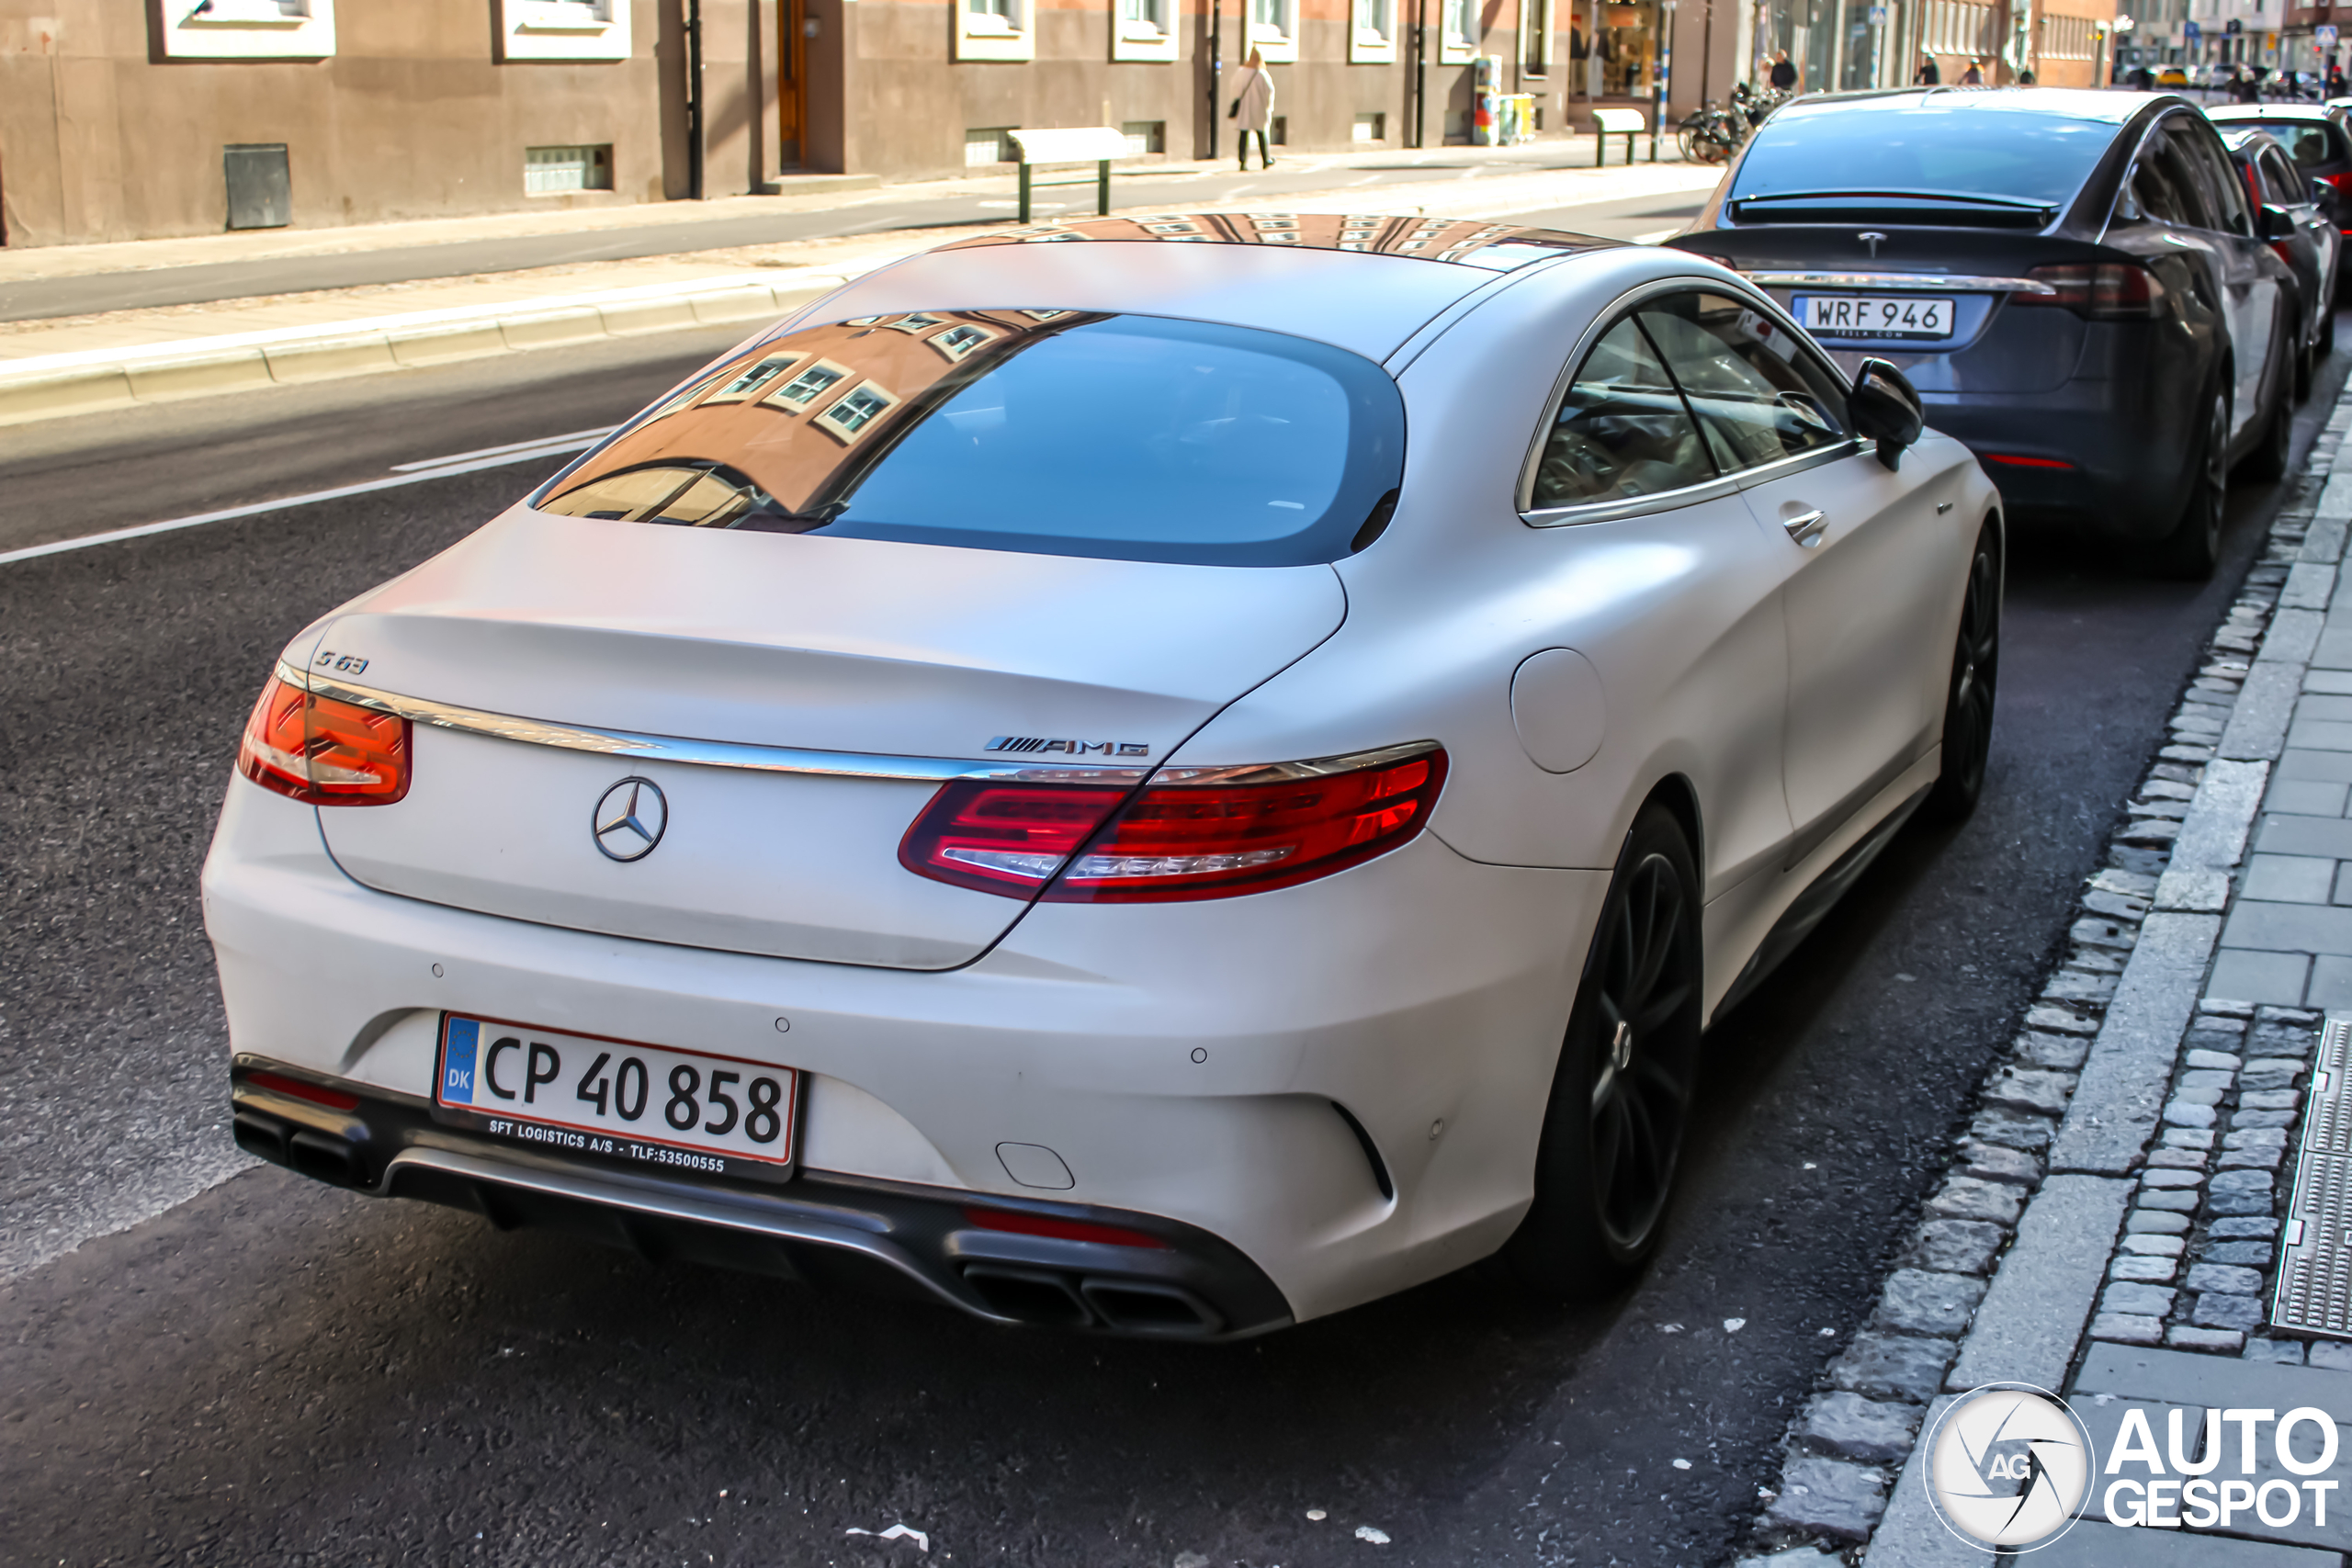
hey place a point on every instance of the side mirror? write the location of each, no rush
(2273, 222)
(1886, 410)
(2324, 196)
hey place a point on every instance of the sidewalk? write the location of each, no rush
(52, 368)
(2113, 1224)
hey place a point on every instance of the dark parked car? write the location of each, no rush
(2073, 280)
(2318, 137)
(2312, 249)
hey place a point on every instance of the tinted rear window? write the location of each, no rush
(1054, 431)
(1946, 147)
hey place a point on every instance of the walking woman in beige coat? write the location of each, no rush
(1253, 106)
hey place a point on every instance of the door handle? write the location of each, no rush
(1806, 526)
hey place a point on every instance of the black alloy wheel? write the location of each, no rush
(1968, 700)
(2194, 547)
(1621, 1095)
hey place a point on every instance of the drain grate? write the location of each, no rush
(2315, 1274)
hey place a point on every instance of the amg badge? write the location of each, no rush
(1068, 748)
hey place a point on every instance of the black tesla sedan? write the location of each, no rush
(2076, 282)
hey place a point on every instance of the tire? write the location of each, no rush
(2193, 547)
(1968, 697)
(1621, 1094)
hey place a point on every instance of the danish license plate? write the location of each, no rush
(657, 1106)
(1874, 315)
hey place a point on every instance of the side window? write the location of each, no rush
(2286, 185)
(2192, 204)
(1759, 394)
(2153, 191)
(2224, 192)
(1622, 430)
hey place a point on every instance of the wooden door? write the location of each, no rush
(791, 62)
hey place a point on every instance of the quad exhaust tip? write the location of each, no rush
(1053, 1299)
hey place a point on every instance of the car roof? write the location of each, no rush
(2273, 111)
(2248, 138)
(1488, 246)
(2072, 103)
(1363, 283)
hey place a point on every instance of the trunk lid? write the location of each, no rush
(861, 648)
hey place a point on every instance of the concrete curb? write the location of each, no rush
(2113, 1114)
(2006, 1274)
(54, 385)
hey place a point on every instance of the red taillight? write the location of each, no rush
(1060, 1229)
(1205, 833)
(322, 750)
(333, 1099)
(2015, 461)
(2108, 291)
(2342, 182)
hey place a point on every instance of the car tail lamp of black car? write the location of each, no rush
(2098, 291)
(322, 750)
(1192, 833)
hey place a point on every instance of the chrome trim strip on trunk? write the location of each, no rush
(823, 764)
(696, 753)
(1932, 282)
(1288, 773)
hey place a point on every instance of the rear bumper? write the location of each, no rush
(829, 1230)
(2091, 454)
(1342, 1083)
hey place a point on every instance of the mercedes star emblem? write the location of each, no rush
(630, 819)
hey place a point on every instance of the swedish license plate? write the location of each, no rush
(1874, 315)
(686, 1112)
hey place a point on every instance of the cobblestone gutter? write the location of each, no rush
(2123, 1160)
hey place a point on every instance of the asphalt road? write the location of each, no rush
(260, 1370)
(1385, 177)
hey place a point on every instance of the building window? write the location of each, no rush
(755, 380)
(809, 385)
(994, 29)
(1274, 29)
(563, 29)
(246, 30)
(959, 341)
(1535, 42)
(552, 171)
(989, 144)
(1371, 127)
(854, 411)
(1141, 29)
(1459, 45)
(1146, 138)
(1372, 37)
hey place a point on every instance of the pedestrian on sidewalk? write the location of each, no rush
(1784, 75)
(1253, 106)
(1930, 75)
(1974, 75)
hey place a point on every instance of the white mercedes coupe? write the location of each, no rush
(1162, 777)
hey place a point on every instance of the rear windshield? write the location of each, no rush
(1933, 148)
(1052, 432)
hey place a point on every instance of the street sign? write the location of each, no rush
(2323, 37)
(1878, 16)
(2190, 32)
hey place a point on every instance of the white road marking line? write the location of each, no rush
(574, 438)
(143, 530)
